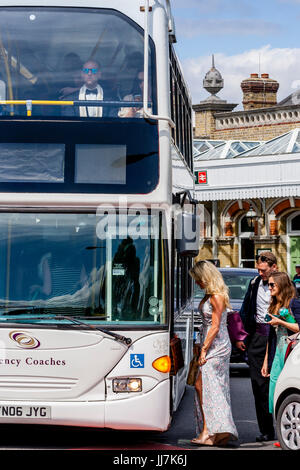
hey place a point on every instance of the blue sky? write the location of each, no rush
(242, 34)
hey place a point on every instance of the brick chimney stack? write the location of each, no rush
(259, 91)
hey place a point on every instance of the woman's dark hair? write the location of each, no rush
(136, 89)
(286, 293)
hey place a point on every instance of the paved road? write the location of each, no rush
(177, 437)
(182, 429)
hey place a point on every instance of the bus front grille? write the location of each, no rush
(36, 383)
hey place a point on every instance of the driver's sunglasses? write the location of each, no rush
(90, 70)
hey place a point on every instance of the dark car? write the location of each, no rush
(237, 280)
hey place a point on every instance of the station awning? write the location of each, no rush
(265, 176)
(182, 179)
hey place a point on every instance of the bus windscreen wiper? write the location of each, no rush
(116, 336)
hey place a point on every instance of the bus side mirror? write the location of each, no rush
(188, 234)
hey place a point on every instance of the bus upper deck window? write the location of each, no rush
(47, 59)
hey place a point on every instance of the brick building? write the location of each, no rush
(250, 199)
(262, 118)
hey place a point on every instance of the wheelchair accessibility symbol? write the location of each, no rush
(137, 361)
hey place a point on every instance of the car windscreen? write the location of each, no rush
(237, 283)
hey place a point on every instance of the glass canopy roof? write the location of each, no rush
(215, 149)
(285, 143)
(204, 144)
(201, 145)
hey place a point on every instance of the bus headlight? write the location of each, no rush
(127, 385)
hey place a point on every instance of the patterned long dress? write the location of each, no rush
(216, 401)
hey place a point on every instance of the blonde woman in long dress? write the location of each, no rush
(214, 421)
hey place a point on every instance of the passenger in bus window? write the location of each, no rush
(126, 287)
(30, 78)
(135, 95)
(70, 69)
(90, 90)
(132, 64)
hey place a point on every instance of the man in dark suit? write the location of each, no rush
(254, 308)
(90, 90)
(296, 279)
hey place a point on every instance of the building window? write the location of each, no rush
(247, 253)
(295, 224)
(246, 248)
(247, 225)
(293, 252)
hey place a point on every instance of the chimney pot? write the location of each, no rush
(259, 91)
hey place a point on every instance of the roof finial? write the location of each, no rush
(213, 81)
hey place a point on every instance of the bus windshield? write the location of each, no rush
(69, 264)
(72, 54)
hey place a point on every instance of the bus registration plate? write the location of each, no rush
(35, 412)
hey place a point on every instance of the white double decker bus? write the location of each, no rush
(94, 286)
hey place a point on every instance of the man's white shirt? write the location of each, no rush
(262, 302)
(91, 111)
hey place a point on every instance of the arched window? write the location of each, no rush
(247, 225)
(295, 224)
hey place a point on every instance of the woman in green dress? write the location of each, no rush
(282, 312)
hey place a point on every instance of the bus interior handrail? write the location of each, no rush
(90, 103)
